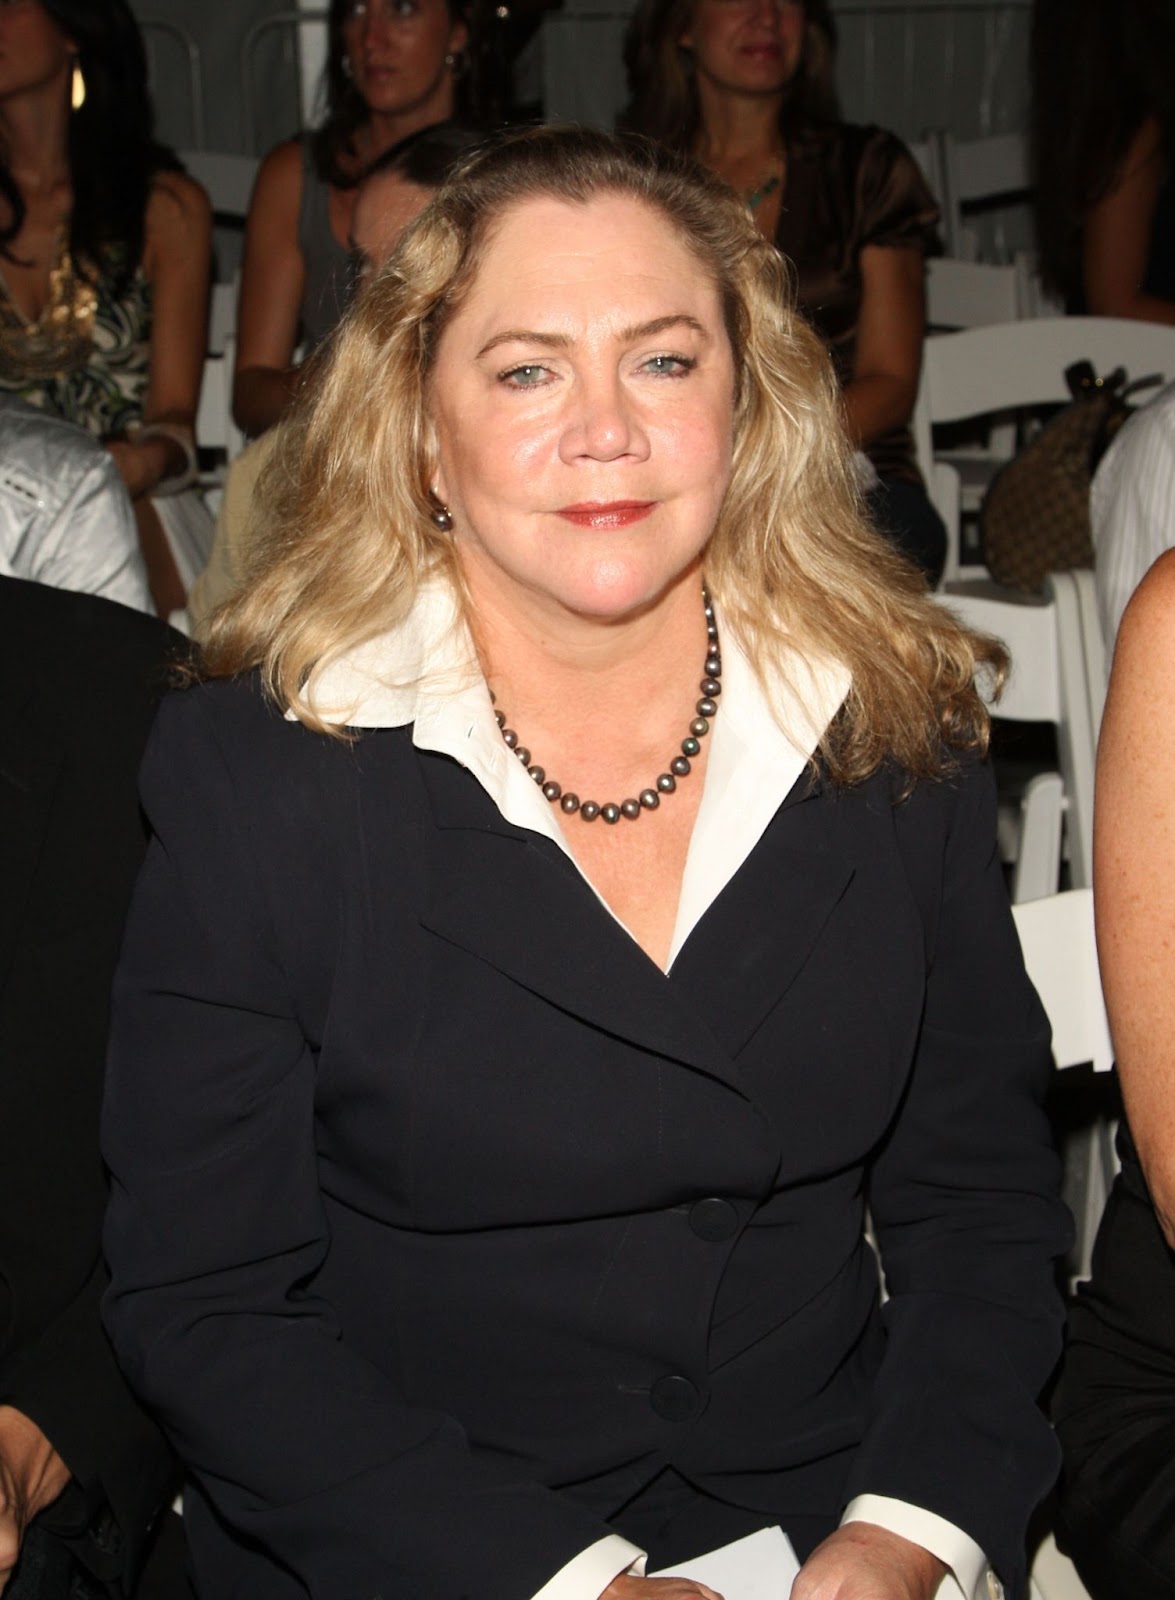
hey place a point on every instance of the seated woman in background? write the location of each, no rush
(105, 251)
(1115, 1402)
(393, 66)
(394, 190)
(1103, 131)
(491, 1132)
(746, 87)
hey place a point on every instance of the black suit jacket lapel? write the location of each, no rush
(514, 900)
(767, 919)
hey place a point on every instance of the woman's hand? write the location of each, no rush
(32, 1475)
(864, 1562)
(144, 464)
(625, 1588)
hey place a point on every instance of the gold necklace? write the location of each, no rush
(61, 338)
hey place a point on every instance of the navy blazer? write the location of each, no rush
(443, 1219)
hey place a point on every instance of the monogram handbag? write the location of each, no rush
(1035, 516)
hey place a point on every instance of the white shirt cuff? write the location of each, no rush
(587, 1575)
(969, 1575)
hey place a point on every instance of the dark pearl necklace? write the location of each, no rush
(679, 767)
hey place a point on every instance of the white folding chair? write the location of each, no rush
(1054, 1576)
(222, 315)
(996, 372)
(228, 179)
(1060, 952)
(976, 171)
(970, 294)
(1048, 681)
(215, 428)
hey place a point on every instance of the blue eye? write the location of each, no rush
(670, 366)
(528, 376)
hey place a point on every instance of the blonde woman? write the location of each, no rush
(574, 891)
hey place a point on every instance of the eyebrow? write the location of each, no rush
(560, 341)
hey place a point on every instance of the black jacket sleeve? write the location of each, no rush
(216, 1231)
(964, 1196)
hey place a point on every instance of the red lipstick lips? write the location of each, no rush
(606, 514)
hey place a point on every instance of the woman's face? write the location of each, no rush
(34, 51)
(746, 46)
(396, 50)
(583, 401)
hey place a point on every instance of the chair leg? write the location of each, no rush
(1038, 860)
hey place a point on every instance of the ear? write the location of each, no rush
(432, 472)
(458, 37)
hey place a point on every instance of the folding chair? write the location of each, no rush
(996, 372)
(1047, 682)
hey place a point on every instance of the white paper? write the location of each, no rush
(762, 1566)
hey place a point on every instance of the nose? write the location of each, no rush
(602, 422)
(375, 20)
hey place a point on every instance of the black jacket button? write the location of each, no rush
(675, 1399)
(713, 1220)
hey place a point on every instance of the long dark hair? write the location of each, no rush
(113, 154)
(663, 99)
(1100, 68)
(345, 110)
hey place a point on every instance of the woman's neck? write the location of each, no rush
(622, 680)
(34, 135)
(737, 130)
(382, 130)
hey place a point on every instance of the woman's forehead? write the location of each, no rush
(545, 247)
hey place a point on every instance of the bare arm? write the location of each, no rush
(881, 393)
(1134, 875)
(177, 259)
(272, 282)
(1117, 236)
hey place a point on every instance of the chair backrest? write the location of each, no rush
(978, 170)
(1028, 627)
(222, 315)
(1060, 952)
(1047, 682)
(215, 428)
(970, 294)
(228, 179)
(984, 371)
(928, 153)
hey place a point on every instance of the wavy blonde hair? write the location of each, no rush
(345, 532)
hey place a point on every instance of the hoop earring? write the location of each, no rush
(456, 62)
(77, 88)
